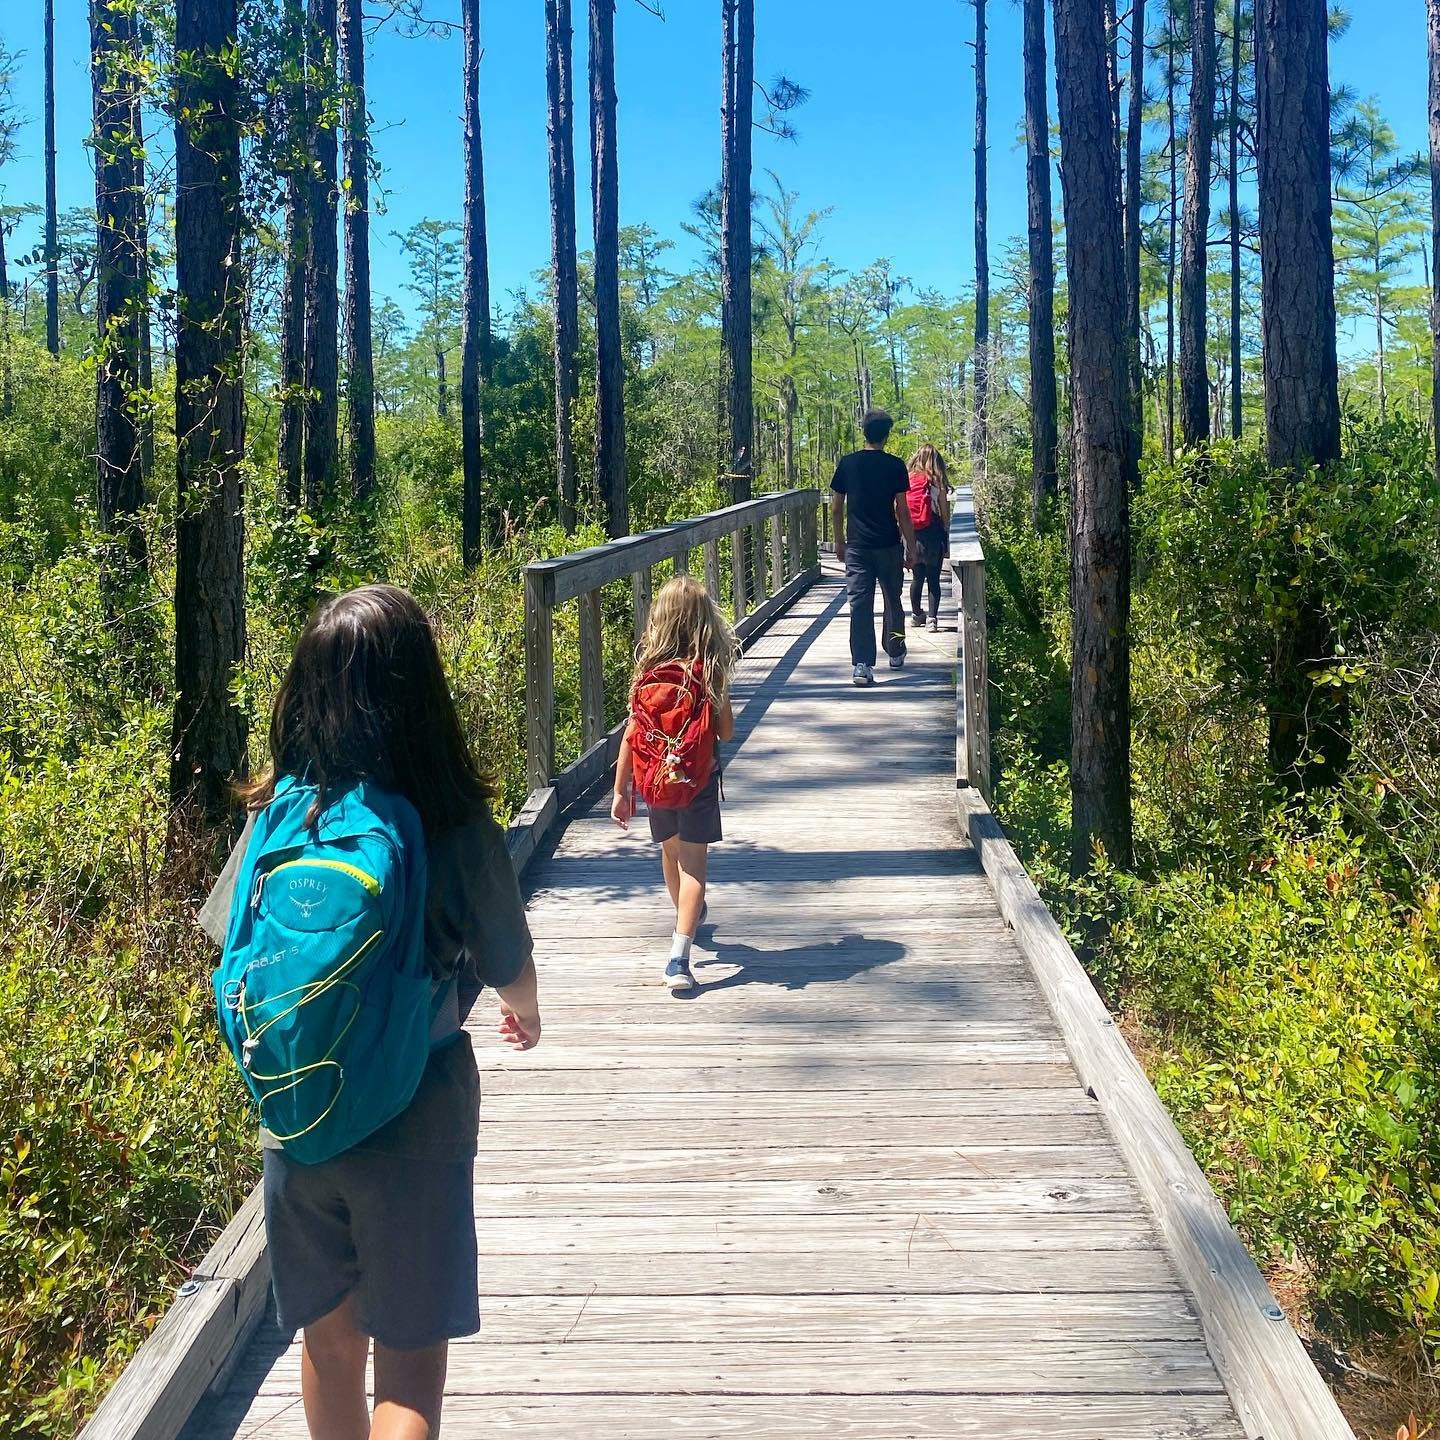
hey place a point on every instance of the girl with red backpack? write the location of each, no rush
(679, 714)
(929, 500)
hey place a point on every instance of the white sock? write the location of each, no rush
(680, 946)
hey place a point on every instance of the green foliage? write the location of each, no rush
(1282, 964)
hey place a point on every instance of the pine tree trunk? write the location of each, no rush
(980, 434)
(145, 418)
(1134, 139)
(1170, 256)
(1237, 409)
(610, 467)
(208, 749)
(475, 341)
(322, 287)
(1044, 433)
(290, 442)
(359, 342)
(563, 268)
(735, 285)
(52, 243)
(1302, 403)
(1194, 254)
(1103, 465)
(1432, 8)
(119, 302)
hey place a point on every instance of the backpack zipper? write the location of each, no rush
(353, 871)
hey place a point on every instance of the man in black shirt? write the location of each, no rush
(871, 515)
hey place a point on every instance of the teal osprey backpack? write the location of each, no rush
(323, 993)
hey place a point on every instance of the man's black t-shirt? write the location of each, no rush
(870, 480)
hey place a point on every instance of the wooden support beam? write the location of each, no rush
(592, 671)
(712, 569)
(539, 681)
(737, 573)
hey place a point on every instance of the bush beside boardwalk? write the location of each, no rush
(1280, 957)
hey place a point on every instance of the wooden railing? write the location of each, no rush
(773, 548)
(972, 684)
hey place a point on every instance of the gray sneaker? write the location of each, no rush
(933, 625)
(897, 662)
(864, 675)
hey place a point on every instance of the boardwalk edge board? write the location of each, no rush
(1271, 1380)
(192, 1352)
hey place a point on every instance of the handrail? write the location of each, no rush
(759, 590)
(972, 688)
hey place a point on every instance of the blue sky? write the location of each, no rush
(885, 140)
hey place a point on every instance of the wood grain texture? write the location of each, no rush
(853, 1187)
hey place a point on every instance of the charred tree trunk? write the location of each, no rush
(1170, 253)
(52, 241)
(735, 265)
(980, 436)
(475, 340)
(290, 443)
(1104, 465)
(359, 341)
(1194, 253)
(1432, 8)
(1044, 434)
(1237, 409)
(610, 468)
(1308, 730)
(564, 300)
(119, 298)
(322, 284)
(208, 749)
(1134, 139)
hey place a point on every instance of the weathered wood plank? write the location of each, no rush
(592, 670)
(802, 1417)
(696, 1367)
(539, 684)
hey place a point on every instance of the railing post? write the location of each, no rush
(975, 667)
(810, 536)
(682, 563)
(757, 560)
(737, 573)
(592, 671)
(792, 535)
(777, 551)
(712, 569)
(641, 591)
(539, 682)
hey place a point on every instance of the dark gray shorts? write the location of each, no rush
(397, 1233)
(698, 823)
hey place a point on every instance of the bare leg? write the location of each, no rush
(691, 860)
(670, 860)
(409, 1391)
(332, 1377)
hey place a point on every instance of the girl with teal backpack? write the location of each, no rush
(371, 884)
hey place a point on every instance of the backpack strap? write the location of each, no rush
(445, 1012)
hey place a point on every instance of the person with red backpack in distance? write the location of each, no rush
(679, 714)
(929, 501)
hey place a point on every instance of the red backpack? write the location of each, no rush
(921, 500)
(672, 735)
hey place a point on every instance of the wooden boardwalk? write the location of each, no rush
(852, 1187)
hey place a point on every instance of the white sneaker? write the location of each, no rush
(864, 675)
(897, 662)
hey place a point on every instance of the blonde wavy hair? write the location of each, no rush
(927, 460)
(685, 624)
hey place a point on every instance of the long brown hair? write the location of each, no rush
(365, 698)
(927, 460)
(686, 624)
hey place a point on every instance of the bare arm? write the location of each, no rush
(725, 723)
(907, 526)
(622, 808)
(837, 515)
(520, 1009)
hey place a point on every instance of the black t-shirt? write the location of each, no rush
(870, 480)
